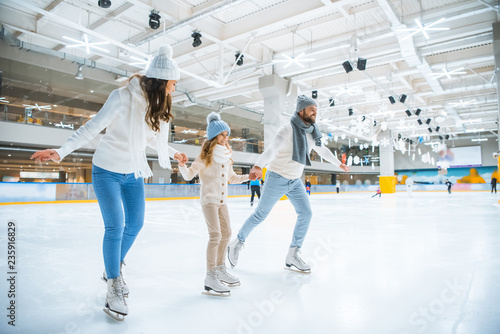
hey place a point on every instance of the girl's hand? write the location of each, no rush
(181, 158)
(46, 155)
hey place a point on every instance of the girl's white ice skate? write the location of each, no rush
(225, 277)
(214, 287)
(293, 259)
(116, 306)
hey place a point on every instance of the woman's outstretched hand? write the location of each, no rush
(45, 155)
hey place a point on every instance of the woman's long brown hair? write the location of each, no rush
(159, 103)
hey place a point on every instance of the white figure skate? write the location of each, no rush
(116, 306)
(125, 287)
(293, 259)
(225, 277)
(214, 287)
(233, 251)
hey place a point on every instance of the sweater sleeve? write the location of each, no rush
(323, 151)
(196, 167)
(235, 178)
(109, 111)
(278, 141)
(153, 143)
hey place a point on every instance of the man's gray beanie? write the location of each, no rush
(303, 102)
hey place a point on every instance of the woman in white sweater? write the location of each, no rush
(214, 165)
(134, 116)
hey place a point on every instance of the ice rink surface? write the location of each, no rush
(427, 264)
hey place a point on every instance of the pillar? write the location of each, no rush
(160, 175)
(387, 178)
(496, 52)
(280, 96)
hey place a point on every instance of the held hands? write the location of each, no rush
(344, 167)
(255, 173)
(45, 155)
(182, 158)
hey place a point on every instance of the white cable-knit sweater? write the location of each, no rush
(116, 116)
(214, 179)
(278, 156)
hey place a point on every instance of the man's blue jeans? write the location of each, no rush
(275, 187)
(122, 202)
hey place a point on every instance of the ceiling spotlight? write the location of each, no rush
(417, 112)
(104, 3)
(238, 58)
(154, 19)
(331, 102)
(408, 112)
(402, 99)
(351, 112)
(392, 100)
(437, 128)
(314, 94)
(428, 121)
(79, 73)
(361, 64)
(441, 137)
(447, 137)
(430, 130)
(420, 121)
(347, 66)
(196, 38)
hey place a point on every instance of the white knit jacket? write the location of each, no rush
(119, 117)
(214, 179)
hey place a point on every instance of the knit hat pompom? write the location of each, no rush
(166, 50)
(213, 116)
(215, 125)
(163, 66)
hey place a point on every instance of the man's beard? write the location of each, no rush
(309, 120)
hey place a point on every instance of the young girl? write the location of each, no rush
(214, 166)
(134, 116)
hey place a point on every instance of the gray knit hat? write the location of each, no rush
(163, 66)
(215, 125)
(303, 102)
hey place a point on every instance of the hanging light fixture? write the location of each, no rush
(298, 60)
(423, 28)
(154, 19)
(79, 73)
(196, 38)
(104, 3)
(85, 44)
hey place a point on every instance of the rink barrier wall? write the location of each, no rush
(26, 192)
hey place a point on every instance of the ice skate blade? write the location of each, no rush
(231, 284)
(115, 315)
(296, 270)
(216, 294)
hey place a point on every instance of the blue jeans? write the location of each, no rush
(274, 188)
(122, 202)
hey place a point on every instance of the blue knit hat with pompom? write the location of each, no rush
(215, 125)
